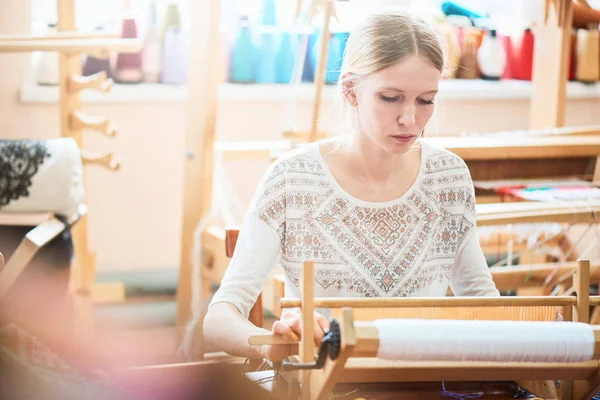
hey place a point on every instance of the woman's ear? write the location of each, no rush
(349, 89)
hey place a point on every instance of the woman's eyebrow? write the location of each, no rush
(402, 91)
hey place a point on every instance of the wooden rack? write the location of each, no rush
(70, 44)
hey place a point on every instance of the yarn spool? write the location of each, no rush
(46, 69)
(128, 68)
(285, 58)
(491, 57)
(468, 68)
(151, 52)
(587, 49)
(522, 56)
(242, 68)
(266, 52)
(175, 60)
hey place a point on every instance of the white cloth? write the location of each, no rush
(415, 245)
(497, 341)
(41, 176)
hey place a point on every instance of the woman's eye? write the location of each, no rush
(425, 102)
(389, 99)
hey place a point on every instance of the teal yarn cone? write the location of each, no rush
(265, 56)
(242, 61)
(286, 56)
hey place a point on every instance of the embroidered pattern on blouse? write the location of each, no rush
(372, 251)
(20, 160)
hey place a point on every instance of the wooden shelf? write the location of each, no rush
(59, 36)
(505, 148)
(71, 45)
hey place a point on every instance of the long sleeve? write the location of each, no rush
(257, 252)
(258, 248)
(471, 275)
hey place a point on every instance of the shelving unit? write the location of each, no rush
(451, 89)
(74, 121)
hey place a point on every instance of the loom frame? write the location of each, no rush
(546, 120)
(360, 341)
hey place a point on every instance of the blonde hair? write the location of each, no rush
(383, 39)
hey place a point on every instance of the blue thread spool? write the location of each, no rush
(286, 56)
(308, 74)
(241, 68)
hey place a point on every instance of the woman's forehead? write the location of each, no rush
(410, 75)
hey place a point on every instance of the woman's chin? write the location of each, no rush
(399, 146)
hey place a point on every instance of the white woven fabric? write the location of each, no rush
(499, 341)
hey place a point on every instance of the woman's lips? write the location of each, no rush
(403, 138)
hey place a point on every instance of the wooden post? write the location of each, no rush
(83, 269)
(307, 340)
(199, 142)
(581, 283)
(320, 71)
(551, 57)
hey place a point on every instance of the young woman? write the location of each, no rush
(380, 213)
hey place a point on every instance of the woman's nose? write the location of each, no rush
(407, 116)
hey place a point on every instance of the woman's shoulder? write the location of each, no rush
(439, 160)
(301, 159)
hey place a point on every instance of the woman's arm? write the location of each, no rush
(226, 324)
(228, 330)
(471, 275)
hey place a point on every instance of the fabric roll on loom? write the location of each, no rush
(475, 340)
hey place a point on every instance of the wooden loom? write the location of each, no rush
(73, 122)
(547, 117)
(356, 361)
(535, 276)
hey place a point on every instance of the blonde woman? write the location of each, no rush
(380, 213)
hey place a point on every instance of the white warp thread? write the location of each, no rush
(499, 341)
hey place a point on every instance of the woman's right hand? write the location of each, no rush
(289, 326)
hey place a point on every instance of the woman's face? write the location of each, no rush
(394, 105)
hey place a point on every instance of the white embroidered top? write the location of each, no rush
(415, 245)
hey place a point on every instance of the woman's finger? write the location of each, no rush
(323, 322)
(282, 328)
(320, 327)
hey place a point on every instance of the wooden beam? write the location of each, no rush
(320, 70)
(84, 265)
(96, 46)
(429, 302)
(59, 36)
(525, 212)
(518, 147)
(551, 55)
(108, 292)
(359, 370)
(199, 142)
(34, 240)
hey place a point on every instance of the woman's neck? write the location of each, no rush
(375, 165)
